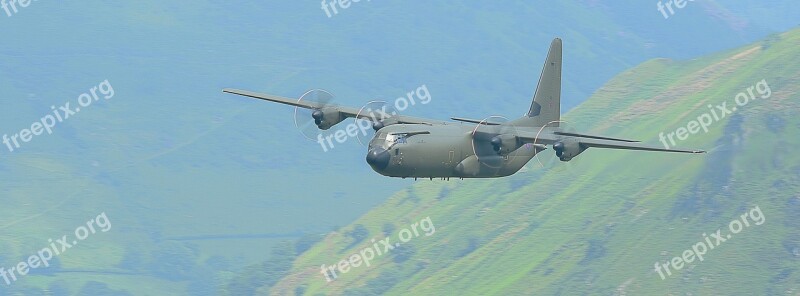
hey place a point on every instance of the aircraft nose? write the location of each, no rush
(378, 158)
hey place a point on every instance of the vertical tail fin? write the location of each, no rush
(546, 106)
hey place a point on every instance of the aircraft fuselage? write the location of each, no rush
(443, 151)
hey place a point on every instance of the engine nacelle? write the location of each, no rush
(327, 117)
(568, 148)
(505, 144)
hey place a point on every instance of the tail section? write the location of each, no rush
(546, 106)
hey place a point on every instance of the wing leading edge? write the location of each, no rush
(631, 146)
(348, 112)
(589, 141)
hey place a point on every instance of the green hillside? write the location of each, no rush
(599, 225)
(199, 185)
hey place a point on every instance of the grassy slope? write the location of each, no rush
(599, 225)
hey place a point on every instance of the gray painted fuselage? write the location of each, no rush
(446, 151)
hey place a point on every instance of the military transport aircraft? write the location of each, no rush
(413, 147)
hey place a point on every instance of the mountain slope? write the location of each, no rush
(598, 226)
(198, 184)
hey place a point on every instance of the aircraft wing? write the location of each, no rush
(346, 111)
(588, 141)
(271, 98)
(631, 146)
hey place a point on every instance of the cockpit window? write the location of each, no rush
(398, 139)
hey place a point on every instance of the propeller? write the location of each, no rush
(559, 147)
(493, 139)
(308, 121)
(380, 114)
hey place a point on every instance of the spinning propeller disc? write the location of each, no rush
(304, 118)
(487, 141)
(377, 111)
